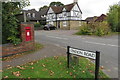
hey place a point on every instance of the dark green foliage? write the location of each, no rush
(98, 28)
(10, 24)
(56, 4)
(41, 8)
(113, 18)
(37, 25)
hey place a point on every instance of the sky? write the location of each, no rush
(89, 8)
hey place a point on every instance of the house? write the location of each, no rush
(32, 15)
(43, 14)
(65, 17)
(29, 16)
(101, 18)
(91, 19)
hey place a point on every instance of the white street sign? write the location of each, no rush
(83, 53)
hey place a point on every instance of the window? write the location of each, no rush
(29, 15)
(80, 23)
(33, 15)
(51, 23)
(65, 23)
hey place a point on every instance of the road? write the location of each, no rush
(108, 46)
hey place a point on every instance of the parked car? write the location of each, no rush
(49, 27)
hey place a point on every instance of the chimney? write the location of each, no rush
(75, 1)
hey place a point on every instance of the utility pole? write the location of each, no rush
(24, 16)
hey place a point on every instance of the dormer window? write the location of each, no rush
(29, 15)
(33, 15)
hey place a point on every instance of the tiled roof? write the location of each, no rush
(69, 6)
(101, 18)
(58, 9)
(43, 11)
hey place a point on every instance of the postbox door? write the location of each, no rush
(28, 33)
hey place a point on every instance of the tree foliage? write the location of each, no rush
(51, 4)
(97, 28)
(10, 25)
(56, 4)
(41, 8)
(113, 18)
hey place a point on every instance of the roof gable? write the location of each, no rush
(68, 8)
(76, 7)
(57, 9)
(50, 10)
(64, 9)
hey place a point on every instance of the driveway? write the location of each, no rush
(108, 46)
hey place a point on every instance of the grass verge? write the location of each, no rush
(38, 46)
(54, 67)
(110, 34)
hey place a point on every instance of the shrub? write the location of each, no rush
(102, 29)
(10, 24)
(97, 28)
(113, 18)
(37, 24)
(85, 30)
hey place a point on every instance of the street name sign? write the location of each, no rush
(87, 54)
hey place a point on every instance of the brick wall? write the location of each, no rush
(75, 25)
(65, 27)
(10, 49)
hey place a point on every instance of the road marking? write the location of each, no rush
(102, 44)
(95, 43)
(57, 37)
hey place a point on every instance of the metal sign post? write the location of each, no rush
(85, 53)
(97, 64)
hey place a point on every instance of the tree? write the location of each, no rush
(113, 20)
(41, 8)
(56, 4)
(10, 25)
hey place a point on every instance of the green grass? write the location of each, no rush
(54, 67)
(110, 34)
(38, 46)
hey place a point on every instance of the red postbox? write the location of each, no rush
(28, 33)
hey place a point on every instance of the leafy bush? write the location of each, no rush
(85, 30)
(37, 24)
(98, 28)
(10, 24)
(113, 18)
(102, 29)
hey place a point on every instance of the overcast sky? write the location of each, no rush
(89, 7)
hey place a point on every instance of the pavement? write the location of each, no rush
(49, 50)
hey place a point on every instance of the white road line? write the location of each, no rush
(102, 44)
(95, 43)
(57, 37)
